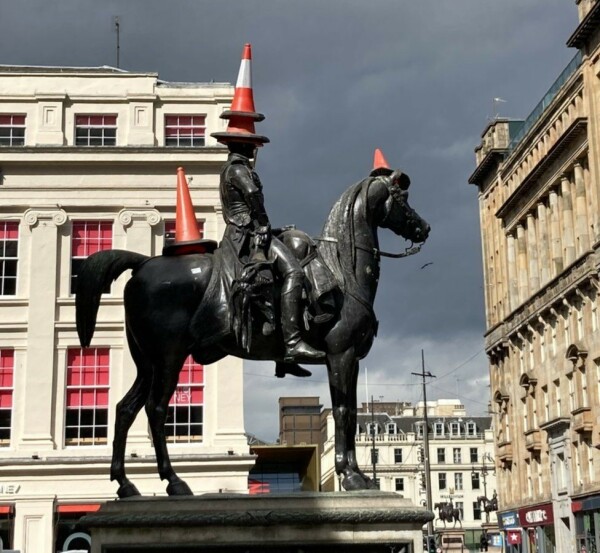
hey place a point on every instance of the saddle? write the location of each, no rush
(241, 298)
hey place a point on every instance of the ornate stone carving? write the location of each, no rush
(128, 215)
(56, 215)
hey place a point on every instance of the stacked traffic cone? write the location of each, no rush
(187, 233)
(242, 115)
(380, 165)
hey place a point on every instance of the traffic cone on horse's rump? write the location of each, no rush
(187, 233)
(242, 113)
(380, 165)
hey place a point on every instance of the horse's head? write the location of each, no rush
(398, 216)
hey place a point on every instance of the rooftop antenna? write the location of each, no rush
(117, 23)
(495, 102)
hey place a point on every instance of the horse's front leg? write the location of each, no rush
(342, 369)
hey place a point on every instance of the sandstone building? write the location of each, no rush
(88, 160)
(539, 202)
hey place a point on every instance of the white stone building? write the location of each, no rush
(88, 160)
(461, 451)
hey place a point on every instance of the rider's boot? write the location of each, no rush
(296, 349)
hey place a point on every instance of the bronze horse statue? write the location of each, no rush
(447, 512)
(166, 292)
(489, 505)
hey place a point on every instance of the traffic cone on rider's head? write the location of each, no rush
(242, 114)
(187, 233)
(380, 165)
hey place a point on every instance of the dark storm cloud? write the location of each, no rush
(337, 79)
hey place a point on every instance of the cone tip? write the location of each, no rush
(180, 170)
(247, 52)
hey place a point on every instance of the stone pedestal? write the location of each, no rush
(369, 522)
(452, 539)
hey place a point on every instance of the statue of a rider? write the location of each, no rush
(248, 228)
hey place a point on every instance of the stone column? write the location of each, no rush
(34, 525)
(137, 224)
(534, 275)
(39, 378)
(555, 237)
(513, 286)
(568, 229)
(583, 235)
(544, 246)
(522, 263)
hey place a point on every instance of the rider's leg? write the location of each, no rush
(291, 305)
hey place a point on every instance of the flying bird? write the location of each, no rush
(426, 264)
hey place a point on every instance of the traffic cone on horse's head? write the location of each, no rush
(187, 233)
(380, 165)
(242, 113)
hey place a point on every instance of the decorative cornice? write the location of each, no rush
(586, 28)
(56, 215)
(128, 215)
(492, 159)
(257, 518)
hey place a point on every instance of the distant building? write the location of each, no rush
(300, 421)
(539, 204)
(461, 448)
(88, 160)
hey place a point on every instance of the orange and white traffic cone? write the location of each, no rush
(187, 233)
(380, 165)
(242, 115)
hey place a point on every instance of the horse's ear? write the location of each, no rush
(400, 179)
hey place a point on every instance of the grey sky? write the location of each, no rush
(335, 80)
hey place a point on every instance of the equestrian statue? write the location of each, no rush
(447, 512)
(262, 294)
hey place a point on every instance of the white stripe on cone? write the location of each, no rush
(244, 79)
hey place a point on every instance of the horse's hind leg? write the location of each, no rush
(163, 386)
(127, 410)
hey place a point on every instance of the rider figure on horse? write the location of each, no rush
(248, 227)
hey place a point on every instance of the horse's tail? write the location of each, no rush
(96, 274)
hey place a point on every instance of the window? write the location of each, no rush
(397, 455)
(186, 408)
(441, 455)
(473, 454)
(374, 456)
(456, 454)
(185, 130)
(9, 246)
(458, 480)
(471, 429)
(86, 420)
(455, 429)
(442, 480)
(95, 130)
(372, 429)
(12, 130)
(420, 427)
(475, 481)
(476, 510)
(391, 428)
(7, 363)
(438, 429)
(88, 237)
(399, 484)
(461, 508)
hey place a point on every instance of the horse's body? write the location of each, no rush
(447, 512)
(165, 293)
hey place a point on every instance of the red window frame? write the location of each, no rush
(9, 257)
(185, 417)
(87, 390)
(88, 237)
(7, 366)
(185, 130)
(12, 129)
(95, 129)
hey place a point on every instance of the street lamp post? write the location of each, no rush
(484, 473)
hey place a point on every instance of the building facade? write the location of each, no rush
(389, 441)
(88, 160)
(539, 203)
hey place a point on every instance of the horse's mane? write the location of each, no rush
(336, 246)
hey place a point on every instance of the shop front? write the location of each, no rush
(538, 523)
(508, 522)
(587, 523)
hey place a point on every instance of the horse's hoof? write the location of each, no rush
(354, 482)
(179, 487)
(127, 490)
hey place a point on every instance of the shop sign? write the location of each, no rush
(509, 519)
(513, 537)
(537, 516)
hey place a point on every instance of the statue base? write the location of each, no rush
(452, 539)
(365, 521)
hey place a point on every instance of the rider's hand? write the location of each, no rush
(263, 235)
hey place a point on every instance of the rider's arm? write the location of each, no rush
(241, 178)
